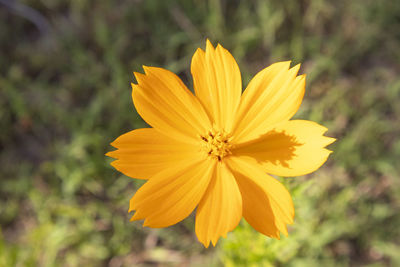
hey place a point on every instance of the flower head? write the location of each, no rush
(215, 150)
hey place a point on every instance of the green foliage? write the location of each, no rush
(65, 95)
(331, 229)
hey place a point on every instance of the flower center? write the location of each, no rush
(216, 144)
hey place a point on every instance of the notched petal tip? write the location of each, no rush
(121, 168)
(276, 236)
(212, 241)
(199, 50)
(111, 154)
(209, 45)
(330, 140)
(147, 224)
(139, 77)
(136, 217)
(114, 143)
(296, 68)
(282, 64)
(205, 244)
(328, 151)
(220, 48)
(148, 70)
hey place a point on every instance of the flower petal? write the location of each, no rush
(267, 205)
(172, 195)
(165, 103)
(217, 83)
(272, 96)
(291, 148)
(220, 210)
(142, 153)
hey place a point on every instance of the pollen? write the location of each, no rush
(216, 144)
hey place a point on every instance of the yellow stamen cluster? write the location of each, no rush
(216, 144)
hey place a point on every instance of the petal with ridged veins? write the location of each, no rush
(220, 210)
(143, 153)
(272, 96)
(173, 194)
(217, 84)
(165, 103)
(292, 148)
(267, 205)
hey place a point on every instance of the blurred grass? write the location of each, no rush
(65, 95)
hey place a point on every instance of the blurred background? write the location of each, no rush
(65, 73)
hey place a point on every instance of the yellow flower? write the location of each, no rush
(213, 150)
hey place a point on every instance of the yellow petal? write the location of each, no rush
(291, 148)
(267, 205)
(172, 195)
(217, 83)
(165, 103)
(142, 153)
(272, 96)
(220, 210)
